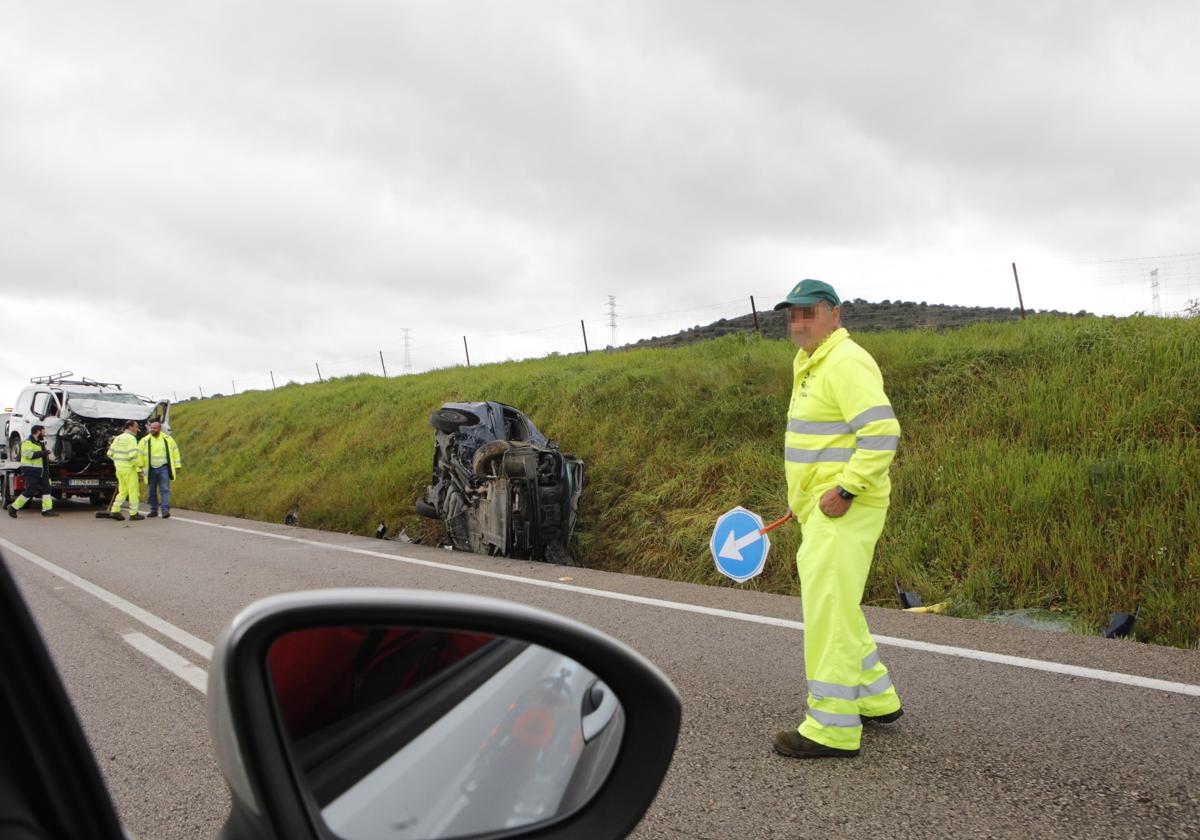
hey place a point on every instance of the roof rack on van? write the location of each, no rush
(60, 378)
(53, 377)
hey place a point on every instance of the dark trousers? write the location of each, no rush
(36, 484)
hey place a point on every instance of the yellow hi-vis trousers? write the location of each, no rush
(841, 663)
(127, 488)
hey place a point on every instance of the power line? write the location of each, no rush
(1137, 259)
(659, 315)
(1171, 277)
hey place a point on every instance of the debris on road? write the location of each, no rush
(908, 600)
(936, 609)
(1120, 625)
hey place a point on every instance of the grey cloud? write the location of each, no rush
(296, 178)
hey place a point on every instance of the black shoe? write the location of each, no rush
(791, 743)
(152, 515)
(117, 515)
(12, 511)
(890, 717)
(166, 514)
(136, 517)
(49, 513)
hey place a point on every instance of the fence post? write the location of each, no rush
(1020, 301)
(272, 379)
(467, 350)
(318, 364)
(582, 327)
(754, 311)
(383, 364)
(201, 393)
(233, 382)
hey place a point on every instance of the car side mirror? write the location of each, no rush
(358, 714)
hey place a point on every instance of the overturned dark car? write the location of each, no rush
(500, 486)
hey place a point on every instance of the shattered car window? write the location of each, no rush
(106, 396)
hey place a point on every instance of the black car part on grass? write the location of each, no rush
(500, 486)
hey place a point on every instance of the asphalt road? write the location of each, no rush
(986, 749)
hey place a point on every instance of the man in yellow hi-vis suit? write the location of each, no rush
(841, 439)
(127, 458)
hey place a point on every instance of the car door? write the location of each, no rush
(618, 752)
(47, 411)
(50, 786)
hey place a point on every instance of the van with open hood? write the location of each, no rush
(81, 416)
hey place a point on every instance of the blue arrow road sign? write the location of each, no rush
(737, 546)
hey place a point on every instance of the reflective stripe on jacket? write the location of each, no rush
(841, 427)
(33, 454)
(160, 451)
(124, 452)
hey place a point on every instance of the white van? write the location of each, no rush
(81, 416)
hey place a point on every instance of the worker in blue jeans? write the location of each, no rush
(161, 456)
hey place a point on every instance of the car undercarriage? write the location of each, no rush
(500, 486)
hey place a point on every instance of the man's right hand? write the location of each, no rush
(833, 505)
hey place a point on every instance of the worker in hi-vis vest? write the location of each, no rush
(841, 439)
(127, 458)
(160, 453)
(35, 473)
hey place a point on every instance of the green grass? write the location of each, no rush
(1051, 463)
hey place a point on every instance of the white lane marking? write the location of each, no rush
(152, 621)
(193, 675)
(910, 644)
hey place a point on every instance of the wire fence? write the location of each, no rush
(1162, 285)
(478, 348)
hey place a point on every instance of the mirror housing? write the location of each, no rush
(251, 747)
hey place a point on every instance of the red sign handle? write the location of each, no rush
(777, 523)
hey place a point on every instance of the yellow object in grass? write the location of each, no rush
(930, 608)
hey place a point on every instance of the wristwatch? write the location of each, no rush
(846, 494)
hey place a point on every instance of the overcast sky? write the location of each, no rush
(194, 193)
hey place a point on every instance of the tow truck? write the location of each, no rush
(81, 417)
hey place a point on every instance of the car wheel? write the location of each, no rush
(449, 420)
(487, 455)
(14, 447)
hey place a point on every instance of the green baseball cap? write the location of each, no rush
(808, 292)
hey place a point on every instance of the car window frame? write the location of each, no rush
(42, 415)
(61, 781)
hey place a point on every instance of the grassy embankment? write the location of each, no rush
(1052, 463)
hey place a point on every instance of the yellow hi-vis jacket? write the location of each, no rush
(33, 454)
(124, 452)
(841, 429)
(160, 451)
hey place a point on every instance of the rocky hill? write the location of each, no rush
(857, 316)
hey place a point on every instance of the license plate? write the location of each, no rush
(83, 482)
